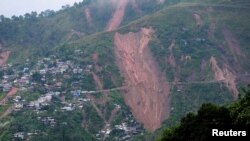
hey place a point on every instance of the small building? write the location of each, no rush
(7, 87)
(17, 98)
(67, 108)
(18, 106)
(42, 71)
(19, 135)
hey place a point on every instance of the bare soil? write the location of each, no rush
(185, 58)
(95, 60)
(233, 44)
(113, 113)
(99, 112)
(7, 112)
(11, 93)
(198, 20)
(4, 56)
(226, 75)
(218, 73)
(171, 59)
(117, 17)
(148, 95)
(99, 87)
(98, 82)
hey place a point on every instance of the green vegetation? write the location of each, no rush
(3, 108)
(66, 35)
(2, 95)
(190, 98)
(198, 126)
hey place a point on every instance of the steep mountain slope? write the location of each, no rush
(151, 71)
(190, 46)
(148, 94)
(38, 33)
(118, 15)
(210, 116)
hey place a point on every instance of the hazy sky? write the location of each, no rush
(20, 7)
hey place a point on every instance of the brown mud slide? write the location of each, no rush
(95, 58)
(11, 93)
(117, 17)
(233, 45)
(171, 61)
(97, 80)
(148, 92)
(4, 57)
(198, 20)
(224, 75)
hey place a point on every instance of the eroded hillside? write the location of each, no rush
(99, 59)
(117, 17)
(148, 94)
(224, 75)
(4, 57)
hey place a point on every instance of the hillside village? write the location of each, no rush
(119, 70)
(53, 82)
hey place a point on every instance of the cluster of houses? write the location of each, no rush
(47, 121)
(7, 82)
(49, 75)
(23, 135)
(50, 71)
(124, 131)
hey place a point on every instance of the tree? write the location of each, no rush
(15, 18)
(2, 18)
(198, 127)
(36, 77)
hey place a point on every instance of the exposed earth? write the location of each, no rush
(117, 17)
(4, 57)
(148, 95)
